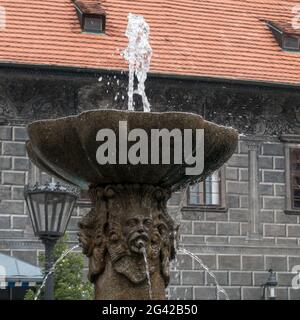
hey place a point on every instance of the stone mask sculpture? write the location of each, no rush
(137, 219)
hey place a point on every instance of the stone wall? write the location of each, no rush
(219, 237)
(16, 234)
(224, 239)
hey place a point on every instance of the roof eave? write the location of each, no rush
(95, 72)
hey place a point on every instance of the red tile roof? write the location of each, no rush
(211, 38)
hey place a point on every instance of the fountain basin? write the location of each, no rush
(128, 236)
(66, 148)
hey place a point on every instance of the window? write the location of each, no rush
(91, 16)
(295, 177)
(292, 173)
(92, 24)
(286, 36)
(291, 43)
(206, 193)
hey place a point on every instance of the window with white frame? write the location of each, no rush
(207, 192)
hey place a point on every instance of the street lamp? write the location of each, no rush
(50, 207)
(269, 286)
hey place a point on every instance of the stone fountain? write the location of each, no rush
(128, 236)
(129, 213)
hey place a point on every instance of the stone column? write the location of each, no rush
(129, 239)
(253, 193)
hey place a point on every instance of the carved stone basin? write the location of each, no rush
(66, 148)
(128, 222)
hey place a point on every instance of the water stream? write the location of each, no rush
(219, 288)
(138, 54)
(193, 256)
(53, 269)
(147, 272)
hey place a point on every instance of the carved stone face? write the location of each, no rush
(136, 231)
(122, 225)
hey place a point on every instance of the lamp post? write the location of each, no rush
(269, 286)
(50, 207)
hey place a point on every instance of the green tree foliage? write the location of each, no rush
(68, 276)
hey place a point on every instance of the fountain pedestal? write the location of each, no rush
(127, 220)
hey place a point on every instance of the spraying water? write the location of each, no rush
(194, 257)
(53, 269)
(138, 54)
(219, 288)
(147, 272)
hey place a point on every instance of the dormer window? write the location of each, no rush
(91, 16)
(287, 37)
(290, 43)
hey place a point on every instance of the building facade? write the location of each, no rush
(241, 222)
